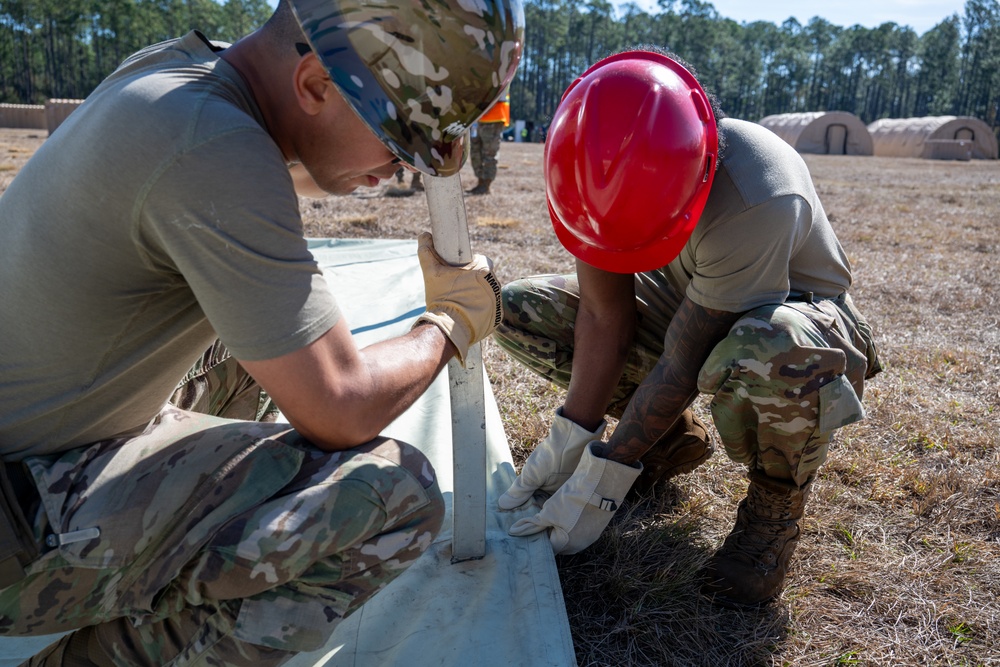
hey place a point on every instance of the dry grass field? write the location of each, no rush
(899, 562)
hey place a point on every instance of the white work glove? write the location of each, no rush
(462, 301)
(553, 461)
(582, 507)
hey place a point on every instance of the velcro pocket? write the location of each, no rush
(290, 624)
(838, 405)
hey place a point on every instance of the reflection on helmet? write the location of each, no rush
(629, 161)
(418, 73)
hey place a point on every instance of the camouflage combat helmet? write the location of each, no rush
(418, 72)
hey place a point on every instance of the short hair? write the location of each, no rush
(283, 31)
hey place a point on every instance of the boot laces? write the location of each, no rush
(765, 524)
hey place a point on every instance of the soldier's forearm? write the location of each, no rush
(672, 385)
(653, 411)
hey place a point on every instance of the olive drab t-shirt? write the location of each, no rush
(763, 235)
(158, 216)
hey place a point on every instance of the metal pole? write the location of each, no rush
(450, 229)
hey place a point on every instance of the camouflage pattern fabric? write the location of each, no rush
(783, 380)
(539, 317)
(485, 145)
(221, 542)
(418, 73)
(218, 385)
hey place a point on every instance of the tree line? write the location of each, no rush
(64, 48)
(758, 69)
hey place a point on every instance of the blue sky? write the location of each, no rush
(921, 15)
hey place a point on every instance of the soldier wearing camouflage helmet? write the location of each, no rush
(705, 264)
(199, 531)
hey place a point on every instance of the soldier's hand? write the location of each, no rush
(582, 507)
(463, 301)
(552, 462)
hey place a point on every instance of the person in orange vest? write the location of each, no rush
(485, 143)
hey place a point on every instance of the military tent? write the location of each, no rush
(935, 137)
(57, 110)
(823, 132)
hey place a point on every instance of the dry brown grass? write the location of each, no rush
(899, 562)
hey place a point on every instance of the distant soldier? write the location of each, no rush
(705, 263)
(415, 183)
(486, 144)
(172, 267)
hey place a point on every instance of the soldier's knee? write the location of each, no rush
(515, 297)
(545, 301)
(419, 505)
(775, 346)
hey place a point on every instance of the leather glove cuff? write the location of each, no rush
(552, 462)
(580, 511)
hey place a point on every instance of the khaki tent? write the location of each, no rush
(37, 116)
(29, 116)
(57, 110)
(823, 132)
(936, 137)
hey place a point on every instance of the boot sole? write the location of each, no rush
(718, 596)
(720, 600)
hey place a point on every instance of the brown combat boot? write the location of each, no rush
(77, 649)
(749, 569)
(685, 447)
(482, 188)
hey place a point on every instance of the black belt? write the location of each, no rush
(23, 485)
(19, 500)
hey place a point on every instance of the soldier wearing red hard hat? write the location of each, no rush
(705, 264)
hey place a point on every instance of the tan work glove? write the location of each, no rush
(582, 507)
(462, 301)
(552, 462)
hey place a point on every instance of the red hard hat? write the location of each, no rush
(629, 161)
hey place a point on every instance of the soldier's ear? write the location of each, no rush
(312, 83)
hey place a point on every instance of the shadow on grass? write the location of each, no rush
(633, 597)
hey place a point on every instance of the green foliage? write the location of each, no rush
(757, 69)
(64, 48)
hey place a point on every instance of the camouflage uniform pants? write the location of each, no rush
(783, 380)
(222, 542)
(484, 148)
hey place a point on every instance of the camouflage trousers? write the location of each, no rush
(783, 380)
(212, 541)
(483, 150)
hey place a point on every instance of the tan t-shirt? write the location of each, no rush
(764, 235)
(158, 216)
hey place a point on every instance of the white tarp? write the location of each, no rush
(505, 609)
